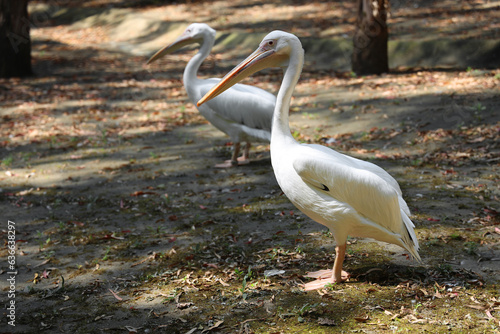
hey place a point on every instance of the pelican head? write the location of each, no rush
(194, 33)
(273, 51)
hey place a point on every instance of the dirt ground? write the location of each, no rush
(123, 225)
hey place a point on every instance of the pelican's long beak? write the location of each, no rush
(179, 43)
(258, 60)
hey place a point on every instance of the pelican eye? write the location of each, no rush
(270, 43)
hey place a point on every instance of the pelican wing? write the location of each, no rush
(341, 178)
(242, 104)
(368, 166)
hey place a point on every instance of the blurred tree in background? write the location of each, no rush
(15, 43)
(369, 54)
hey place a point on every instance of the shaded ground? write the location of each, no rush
(122, 224)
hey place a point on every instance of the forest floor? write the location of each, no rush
(123, 225)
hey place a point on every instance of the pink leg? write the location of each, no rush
(234, 161)
(324, 277)
(339, 261)
(244, 159)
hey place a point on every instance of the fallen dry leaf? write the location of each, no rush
(217, 324)
(362, 319)
(115, 295)
(182, 306)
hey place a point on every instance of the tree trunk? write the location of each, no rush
(370, 39)
(15, 43)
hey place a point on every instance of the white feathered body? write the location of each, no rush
(244, 112)
(349, 196)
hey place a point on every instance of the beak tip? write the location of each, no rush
(150, 60)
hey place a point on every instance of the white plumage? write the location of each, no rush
(349, 196)
(244, 113)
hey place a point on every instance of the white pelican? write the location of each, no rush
(244, 114)
(349, 196)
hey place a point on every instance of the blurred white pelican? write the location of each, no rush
(348, 195)
(244, 114)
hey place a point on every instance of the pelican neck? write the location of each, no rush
(191, 72)
(281, 126)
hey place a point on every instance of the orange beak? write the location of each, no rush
(179, 43)
(257, 61)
